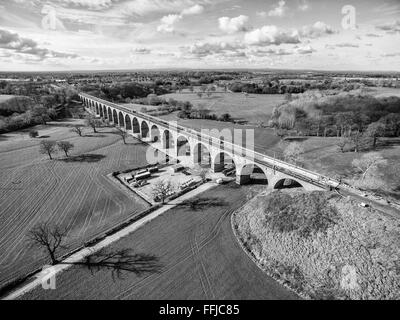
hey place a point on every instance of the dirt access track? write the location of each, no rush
(198, 253)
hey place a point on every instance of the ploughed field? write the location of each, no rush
(196, 253)
(76, 193)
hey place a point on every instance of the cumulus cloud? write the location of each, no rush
(269, 35)
(168, 22)
(233, 25)
(203, 49)
(91, 4)
(279, 10)
(318, 29)
(15, 43)
(391, 27)
(196, 9)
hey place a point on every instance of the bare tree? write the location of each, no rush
(375, 130)
(53, 239)
(78, 130)
(49, 238)
(162, 190)
(368, 163)
(203, 174)
(123, 134)
(92, 122)
(65, 146)
(293, 152)
(47, 147)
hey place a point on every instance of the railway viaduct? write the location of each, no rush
(194, 147)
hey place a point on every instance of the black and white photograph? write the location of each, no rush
(200, 154)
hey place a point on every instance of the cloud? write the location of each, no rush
(317, 30)
(303, 5)
(167, 23)
(305, 50)
(268, 35)
(391, 27)
(261, 14)
(233, 25)
(373, 35)
(15, 43)
(141, 51)
(203, 49)
(196, 9)
(346, 45)
(389, 55)
(91, 4)
(279, 10)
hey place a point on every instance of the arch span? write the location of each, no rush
(223, 162)
(121, 121)
(155, 133)
(105, 114)
(115, 117)
(287, 183)
(144, 129)
(128, 123)
(135, 125)
(252, 173)
(168, 141)
(201, 155)
(110, 116)
(182, 146)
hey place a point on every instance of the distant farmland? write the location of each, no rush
(254, 108)
(77, 194)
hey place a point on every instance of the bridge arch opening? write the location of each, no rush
(201, 155)
(287, 183)
(145, 129)
(101, 111)
(168, 141)
(183, 147)
(121, 121)
(252, 174)
(110, 116)
(105, 114)
(97, 108)
(135, 125)
(128, 123)
(155, 133)
(115, 117)
(224, 163)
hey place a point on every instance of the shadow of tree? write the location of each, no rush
(203, 203)
(95, 135)
(85, 158)
(120, 261)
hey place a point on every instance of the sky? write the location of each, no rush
(359, 35)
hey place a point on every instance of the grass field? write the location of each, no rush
(5, 97)
(198, 255)
(254, 108)
(75, 193)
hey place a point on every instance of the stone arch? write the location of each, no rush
(144, 128)
(182, 146)
(101, 111)
(168, 140)
(97, 108)
(201, 155)
(135, 125)
(105, 114)
(252, 173)
(223, 161)
(110, 116)
(155, 134)
(287, 183)
(128, 123)
(121, 121)
(115, 117)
